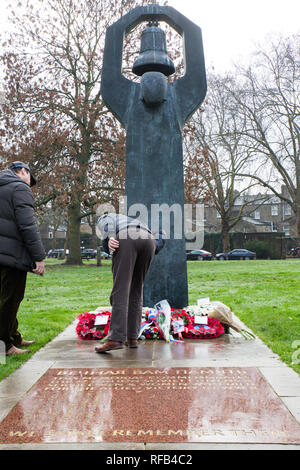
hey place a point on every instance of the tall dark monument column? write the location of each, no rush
(153, 113)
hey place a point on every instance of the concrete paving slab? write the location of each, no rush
(284, 380)
(228, 349)
(127, 446)
(23, 379)
(293, 405)
(77, 351)
(200, 447)
(7, 404)
(108, 362)
(121, 446)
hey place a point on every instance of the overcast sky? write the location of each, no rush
(230, 28)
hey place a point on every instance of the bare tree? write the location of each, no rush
(54, 116)
(216, 136)
(268, 99)
(52, 217)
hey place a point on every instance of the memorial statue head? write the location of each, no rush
(154, 88)
(153, 53)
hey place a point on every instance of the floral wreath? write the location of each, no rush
(87, 330)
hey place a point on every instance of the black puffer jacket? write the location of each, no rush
(20, 240)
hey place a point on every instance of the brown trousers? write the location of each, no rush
(130, 264)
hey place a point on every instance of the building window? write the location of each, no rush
(256, 215)
(286, 230)
(274, 210)
(50, 234)
(274, 227)
(287, 210)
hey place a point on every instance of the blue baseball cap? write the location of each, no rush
(18, 165)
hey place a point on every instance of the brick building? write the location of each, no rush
(270, 215)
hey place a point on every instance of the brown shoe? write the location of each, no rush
(109, 346)
(26, 343)
(131, 343)
(13, 351)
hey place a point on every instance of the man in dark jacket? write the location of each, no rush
(21, 250)
(133, 247)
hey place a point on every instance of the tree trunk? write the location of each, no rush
(66, 244)
(95, 239)
(225, 238)
(94, 233)
(74, 235)
(99, 263)
(298, 222)
(53, 244)
(297, 212)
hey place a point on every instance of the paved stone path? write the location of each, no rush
(229, 351)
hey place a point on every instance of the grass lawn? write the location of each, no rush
(263, 294)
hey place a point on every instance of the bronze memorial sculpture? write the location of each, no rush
(153, 113)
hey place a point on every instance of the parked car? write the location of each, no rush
(88, 254)
(105, 255)
(236, 254)
(201, 255)
(55, 253)
(294, 252)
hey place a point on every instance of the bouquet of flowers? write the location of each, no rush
(163, 318)
(157, 322)
(223, 313)
(149, 328)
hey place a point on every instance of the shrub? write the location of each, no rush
(261, 248)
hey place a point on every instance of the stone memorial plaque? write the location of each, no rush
(151, 405)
